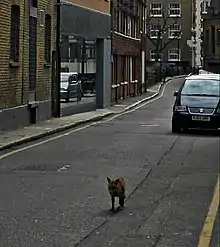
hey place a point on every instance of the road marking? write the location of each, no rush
(149, 125)
(3, 156)
(206, 233)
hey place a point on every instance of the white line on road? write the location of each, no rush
(149, 125)
(86, 126)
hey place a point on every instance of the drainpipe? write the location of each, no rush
(58, 60)
(23, 47)
(112, 36)
(198, 27)
(143, 79)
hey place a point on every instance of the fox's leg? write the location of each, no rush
(113, 203)
(121, 201)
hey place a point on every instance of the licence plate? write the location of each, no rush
(201, 118)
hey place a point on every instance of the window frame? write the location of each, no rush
(175, 9)
(15, 34)
(204, 6)
(154, 54)
(172, 31)
(178, 54)
(157, 8)
(155, 28)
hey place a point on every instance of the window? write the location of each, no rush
(72, 52)
(218, 35)
(154, 31)
(174, 9)
(15, 33)
(209, 87)
(174, 31)
(213, 39)
(174, 54)
(47, 39)
(128, 25)
(121, 22)
(204, 6)
(90, 51)
(156, 9)
(207, 36)
(64, 48)
(153, 55)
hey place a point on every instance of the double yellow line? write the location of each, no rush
(206, 233)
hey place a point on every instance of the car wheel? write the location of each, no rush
(176, 128)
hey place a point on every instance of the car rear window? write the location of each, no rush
(201, 87)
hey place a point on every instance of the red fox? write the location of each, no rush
(116, 188)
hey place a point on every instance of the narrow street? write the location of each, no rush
(55, 194)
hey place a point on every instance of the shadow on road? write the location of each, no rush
(200, 133)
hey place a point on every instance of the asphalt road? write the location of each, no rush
(55, 194)
(73, 107)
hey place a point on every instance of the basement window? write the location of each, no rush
(15, 35)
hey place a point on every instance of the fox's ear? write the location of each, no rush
(116, 181)
(109, 180)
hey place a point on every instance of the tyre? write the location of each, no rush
(176, 128)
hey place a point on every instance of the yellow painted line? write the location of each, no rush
(3, 156)
(206, 233)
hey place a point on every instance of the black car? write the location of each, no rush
(197, 103)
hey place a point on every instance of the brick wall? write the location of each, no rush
(125, 46)
(14, 82)
(10, 78)
(99, 5)
(43, 89)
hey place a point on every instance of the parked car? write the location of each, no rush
(70, 86)
(197, 103)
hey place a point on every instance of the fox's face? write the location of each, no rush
(116, 187)
(112, 186)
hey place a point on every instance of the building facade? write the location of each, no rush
(168, 29)
(82, 22)
(26, 44)
(128, 37)
(211, 37)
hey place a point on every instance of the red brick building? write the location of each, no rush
(128, 28)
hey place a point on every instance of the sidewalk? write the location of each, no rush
(10, 139)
